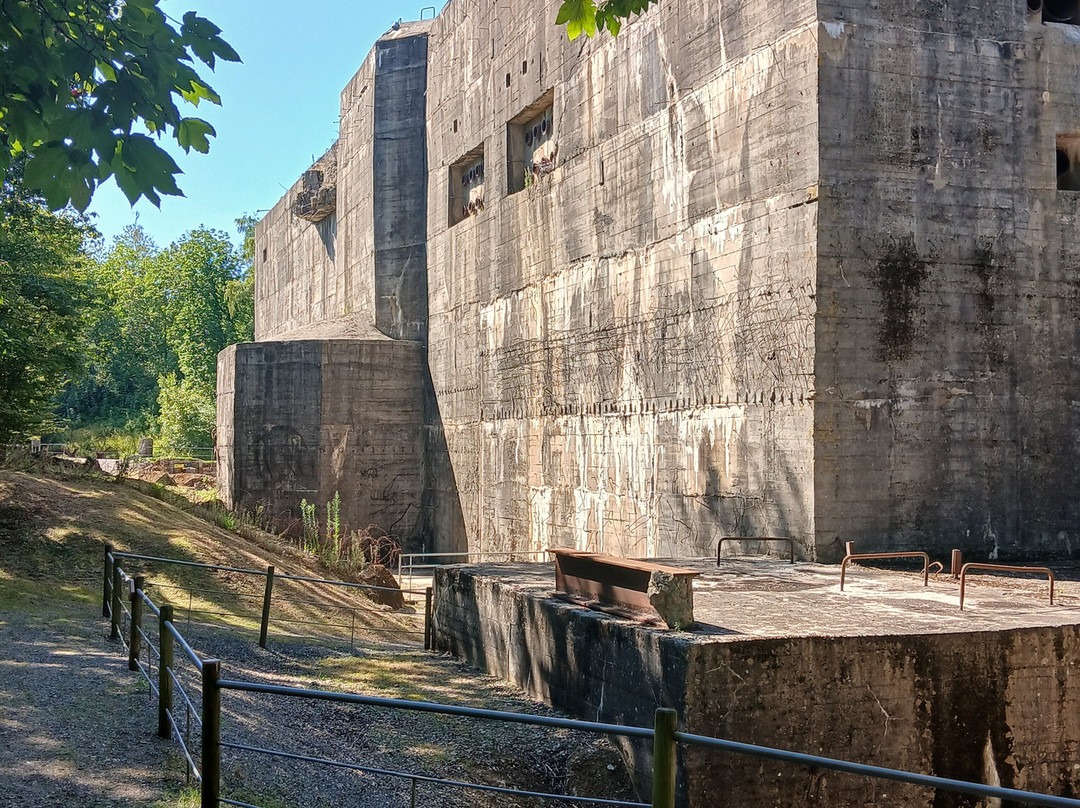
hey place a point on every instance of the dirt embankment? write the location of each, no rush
(76, 728)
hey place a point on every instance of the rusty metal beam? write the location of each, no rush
(609, 580)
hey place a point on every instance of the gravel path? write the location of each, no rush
(77, 728)
(74, 723)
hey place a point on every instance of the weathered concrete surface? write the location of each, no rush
(310, 418)
(798, 269)
(886, 673)
(622, 352)
(947, 337)
(366, 260)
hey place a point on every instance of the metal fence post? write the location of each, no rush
(107, 582)
(165, 661)
(427, 620)
(666, 722)
(211, 733)
(264, 627)
(114, 633)
(135, 641)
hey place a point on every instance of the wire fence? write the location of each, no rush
(308, 617)
(198, 685)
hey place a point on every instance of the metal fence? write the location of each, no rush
(202, 748)
(263, 601)
(411, 563)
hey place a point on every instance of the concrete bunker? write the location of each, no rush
(886, 673)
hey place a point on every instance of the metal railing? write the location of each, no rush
(204, 762)
(407, 562)
(267, 598)
(867, 556)
(1003, 568)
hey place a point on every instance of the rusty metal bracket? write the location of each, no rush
(862, 556)
(790, 544)
(1003, 568)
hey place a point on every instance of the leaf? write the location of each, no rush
(192, 133)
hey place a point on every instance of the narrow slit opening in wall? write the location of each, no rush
(264, 254)
(531, 145)
(1068, 161)
(467, 182)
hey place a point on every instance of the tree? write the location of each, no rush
(79, 78)
(586, 17)
(159, 319)
(42, 281)
(240, 291)
(123, 341)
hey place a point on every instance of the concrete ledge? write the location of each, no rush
(994, 705)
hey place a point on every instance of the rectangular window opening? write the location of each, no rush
(531, 147)
(466, 197)
(1068, 162)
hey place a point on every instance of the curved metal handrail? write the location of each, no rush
(862, 556)
(1002, 568)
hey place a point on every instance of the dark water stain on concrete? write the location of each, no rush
(899, 276)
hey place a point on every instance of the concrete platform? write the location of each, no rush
(887, 672)
(754, 599)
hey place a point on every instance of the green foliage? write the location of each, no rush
(43, 266)
(333, 525)
(187, 414)
(152, 340)
(240, 291)
(310, 526)
(201, 265)
(124, 341)
(78, 78)
(586, 17)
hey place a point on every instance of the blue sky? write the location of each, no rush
(279, 108)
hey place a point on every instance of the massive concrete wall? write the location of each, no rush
(947, 341)
(399, 186)
(310, 418)
(354, 265)
(622, 352)
(799, 269)
(325, 402)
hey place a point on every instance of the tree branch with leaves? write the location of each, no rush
(586, 17)
(79, 79)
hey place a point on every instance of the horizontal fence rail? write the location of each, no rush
(270, 576)
(202, 747)
(409, 563)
